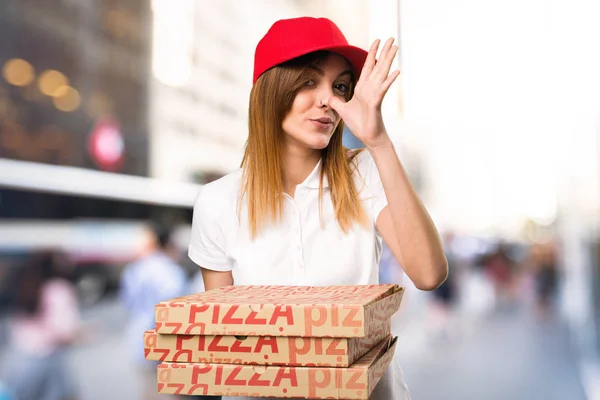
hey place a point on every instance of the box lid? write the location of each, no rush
(308, 311)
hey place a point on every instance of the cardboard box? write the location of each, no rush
(307, 311)
(355, 382)
(261, 350)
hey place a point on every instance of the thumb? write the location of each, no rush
(338, 106)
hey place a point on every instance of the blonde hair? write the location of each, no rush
(271, 99)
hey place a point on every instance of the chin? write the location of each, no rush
(320, 142)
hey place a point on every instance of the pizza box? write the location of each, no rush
(306, 311)
(262, 350)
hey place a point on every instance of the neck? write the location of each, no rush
(297, 165)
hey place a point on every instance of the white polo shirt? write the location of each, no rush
(298, 251)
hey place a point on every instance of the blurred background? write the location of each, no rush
(114, 112)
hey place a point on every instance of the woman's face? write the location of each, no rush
(310, 123)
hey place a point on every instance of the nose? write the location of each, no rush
(323, 97)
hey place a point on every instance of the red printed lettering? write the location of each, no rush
(311, 322)
(180, 339)
(338, 377)
(214, 345)
(332, 349)
(256, 381)
(215, 317)
(177, 386)
(314, 383)
(196, 309)
(319, 346)
(334, 315)
(200, 369)
(228, 318)
(349, 320)
(165, 353)
(162, 314)
(192, 328)
(185, 353)
(282, 311)
(231, 378)
(150, 340)
(353, 382)
(176, 326)
(164, 375)
(237, 347)
(194, 389)
(219, 375)
(282, 374)
(252, 320)
(295, 350)
(201, 342)
(266, 341)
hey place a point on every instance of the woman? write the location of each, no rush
(303, 210)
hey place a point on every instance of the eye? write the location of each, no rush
(341, 88)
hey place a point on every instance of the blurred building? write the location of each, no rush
(68, 67)
(74, 137)
(73, 92)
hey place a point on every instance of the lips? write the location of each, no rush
(324, 120)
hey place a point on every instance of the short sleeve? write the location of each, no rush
(373, 188)
(207, 246)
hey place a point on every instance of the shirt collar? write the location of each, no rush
(312, 180)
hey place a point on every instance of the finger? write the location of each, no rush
(390, 80)
(382, 69)
(337, 105)
(386, 47)
(370, 61)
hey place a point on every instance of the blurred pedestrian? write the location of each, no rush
(44, 323)
(500, 268)
(303, 209)
(445, 297)
(546, 277)
(154, 277)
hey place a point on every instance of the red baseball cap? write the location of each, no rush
(295, 37)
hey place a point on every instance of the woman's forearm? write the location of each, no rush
(414, 235)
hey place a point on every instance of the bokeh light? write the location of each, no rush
(67, 99)
(51, 81)
(18, 72)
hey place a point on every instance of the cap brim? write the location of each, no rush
(355, 55)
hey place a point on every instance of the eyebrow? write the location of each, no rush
(320, 71)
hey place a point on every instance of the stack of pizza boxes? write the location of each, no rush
(329, 342)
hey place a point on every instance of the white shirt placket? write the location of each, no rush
(295, 224)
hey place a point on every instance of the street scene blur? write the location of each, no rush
(113, 113)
